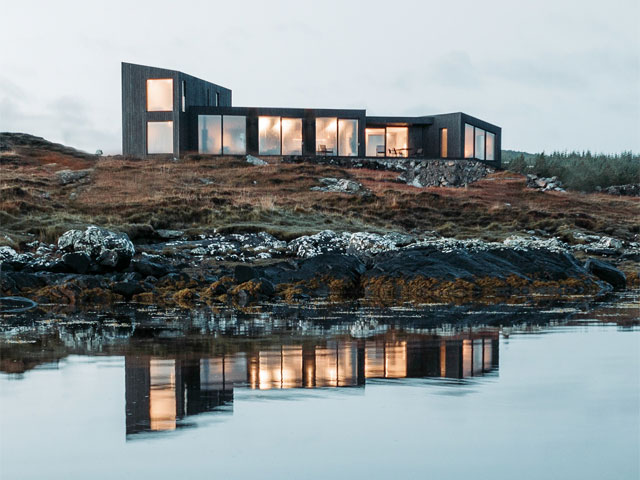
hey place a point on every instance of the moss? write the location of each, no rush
(185, 297)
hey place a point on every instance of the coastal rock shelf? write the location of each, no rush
(100, 266)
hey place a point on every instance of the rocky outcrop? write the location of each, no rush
(65, 177)
(106, 249)
(606, 272)
(443, 173)
(340, 185)
(256, 161)
(545, 184)
(631, 190)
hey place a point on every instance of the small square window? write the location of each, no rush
(160, 95)
(159, 137)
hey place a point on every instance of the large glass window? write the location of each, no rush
(491, 146)
(347, 137)
(159, 137)
(479, 135)
(374, 140)
(209, 134)
(443, 143)
(326, 135)
(468, 141)
(398, 141)
(291, 136)
(234, 135)
(160, 95)
(269, 135)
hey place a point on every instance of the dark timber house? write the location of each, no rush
(169, 112)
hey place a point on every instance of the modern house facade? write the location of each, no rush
(167, 112)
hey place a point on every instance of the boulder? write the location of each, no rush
(340, 185)
(108, 250)
(255, 161)
(149, 268)
(127, 289)
(606, 272)
(66, 177)
(78, 262)
(244, 273)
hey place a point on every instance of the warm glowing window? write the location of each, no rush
(491, 146)
(269, 135)
(159, 137)
(234, 135)
(347, 137)
(374, 140)
(326, 135)
(160, 95)
(443, 143)
(209, 134)
(479, 147)
(398, 141)
(292, 136)
(468, 141)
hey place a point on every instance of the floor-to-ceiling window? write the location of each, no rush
(491, 146)
(269, 135)
(468, 141)
(160, 137)
(374, 142)
(209, 134)
(398, 141)
(326, 135)
(347, 137)
(234, 134)
(291, 136)
(222, 134)
(479, 144)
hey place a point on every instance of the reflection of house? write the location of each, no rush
(160, 392)
(169, 112)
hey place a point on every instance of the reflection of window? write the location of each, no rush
(491, 146)
(269, 135)
(326, 135)
(443, 143)
(479, 147)
(160, 95)
(209, 138)
(291, 136)
(468, 141)
(397, 141)
(159, 137)
(234, 135)
(374, 140)
(162, 394)
(347, 137)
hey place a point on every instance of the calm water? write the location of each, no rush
(439, 392)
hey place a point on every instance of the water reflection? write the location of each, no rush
(160, 392)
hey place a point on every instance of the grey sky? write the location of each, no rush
(555, 74)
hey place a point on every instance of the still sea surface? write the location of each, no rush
(526, 392)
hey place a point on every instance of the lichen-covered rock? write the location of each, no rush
(340, 185)
(107, 249)
(66, 177)
(443, 173)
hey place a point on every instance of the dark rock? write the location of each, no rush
(244, 273)
(443, 173)
(606, 272)
(130, 277)
(77, 262)
(149, 268)
(110, 250)
(266, 288)
(173, 279)
(127, 289)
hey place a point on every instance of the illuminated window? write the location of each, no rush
(159, 137)
(443, 143)
(234, 135)
(209, 134)
(347, 138)
(374, 141)
(160, 95)
(269, 135)
(491, 146)
(468, 141)
(326, 135)
(397, 141)
(292, 136)
(184, 96)
(479, 136)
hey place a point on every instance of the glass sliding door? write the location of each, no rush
(326, 135)
(479, 147)
(347, 138)
(491, 146)
(234, 135)
(159, 137)
(398, 141)
(209, 137)
(468, 141)
(374, 142)
(269, 131)
(291, 136)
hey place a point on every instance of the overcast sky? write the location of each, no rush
(554, 74)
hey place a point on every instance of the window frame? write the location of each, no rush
(147, 94)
